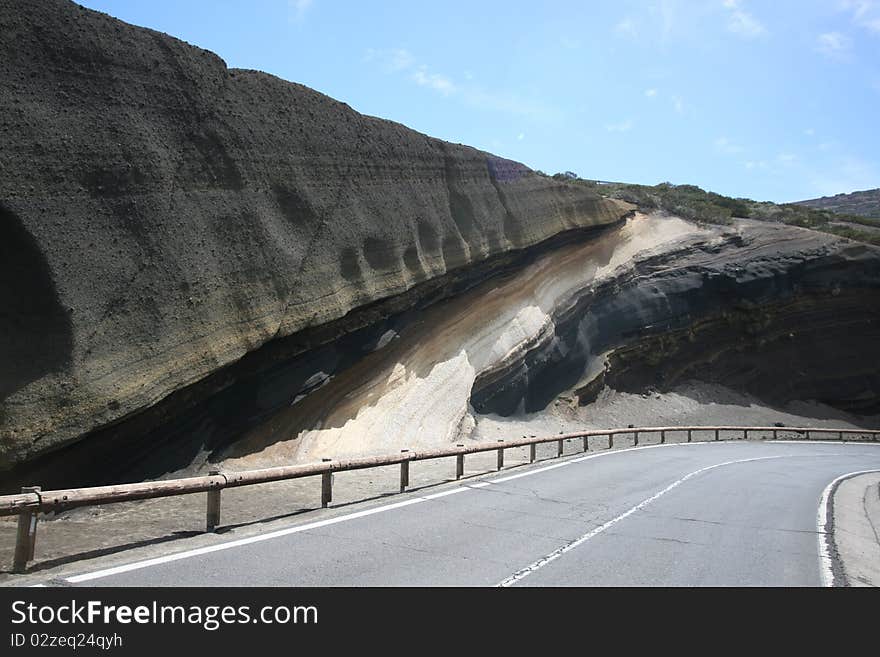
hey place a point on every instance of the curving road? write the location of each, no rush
(704, 514)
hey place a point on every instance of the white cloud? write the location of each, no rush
(650, 93)
(655, 24)
(864, 13)
(400, 61)
(833, 44)
(678, 104)
(726, 147)
(626, 27)
(667, 10)
(392, 60)
(521, 136)
(623, 126)
(434, 81)
(859, 8)
(809, 132)
(837, 170)
(299, 8)
(508, 103)
(845, 173)
(741, 22)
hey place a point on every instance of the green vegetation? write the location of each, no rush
(696, 204)
(864, 221)
(863, 204)
(852, 233)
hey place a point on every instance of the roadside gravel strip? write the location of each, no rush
(721, 514)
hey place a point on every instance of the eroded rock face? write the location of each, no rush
(780, 312)
(162, 216)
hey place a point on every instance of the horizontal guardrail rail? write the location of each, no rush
(32, 500)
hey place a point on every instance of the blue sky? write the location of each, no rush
(773, 100)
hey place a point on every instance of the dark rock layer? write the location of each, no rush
(783, 313)
(197, 423)
(162, 216)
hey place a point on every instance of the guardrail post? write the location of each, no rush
(26, 537)
(559, 448)
(212, 515)
(404, 472)
(213, 484)
(326, 486)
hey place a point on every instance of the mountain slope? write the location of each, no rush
(863, 204)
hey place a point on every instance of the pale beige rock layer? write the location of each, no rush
(416, 392)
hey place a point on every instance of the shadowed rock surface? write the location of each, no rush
(163, 216)
(779, 312)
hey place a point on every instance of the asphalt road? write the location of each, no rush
(722, 514)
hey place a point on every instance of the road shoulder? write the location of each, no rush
(856, 529)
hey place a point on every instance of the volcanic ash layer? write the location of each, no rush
(780, 313)
(162, 217)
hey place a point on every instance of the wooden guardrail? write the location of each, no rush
(32, 500)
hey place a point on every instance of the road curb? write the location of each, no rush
(855, 515)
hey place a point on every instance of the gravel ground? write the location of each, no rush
(693, 403)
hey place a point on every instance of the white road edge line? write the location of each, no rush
(824, 527)
(553, 556)
(137, 565)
